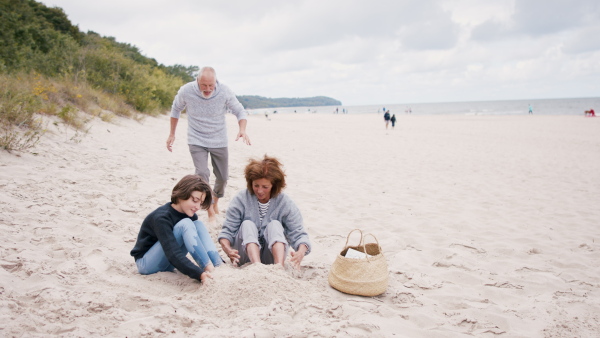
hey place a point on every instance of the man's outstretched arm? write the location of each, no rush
(171, 138)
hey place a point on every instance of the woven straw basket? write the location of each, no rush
(360, 276)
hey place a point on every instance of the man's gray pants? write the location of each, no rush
(219, 158)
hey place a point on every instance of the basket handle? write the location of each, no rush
(365, 246)
(350, 233)
(375, 238)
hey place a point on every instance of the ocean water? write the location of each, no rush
(572, 106)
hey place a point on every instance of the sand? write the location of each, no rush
(489, 224)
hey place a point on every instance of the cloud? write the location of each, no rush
(491, 31)
(543, 17)
(535, 18)
(308, 24)
(584, 40)
(430, 34)
(386, 51)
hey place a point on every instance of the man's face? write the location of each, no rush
(207, 83)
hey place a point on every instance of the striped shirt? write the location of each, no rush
(262, 210)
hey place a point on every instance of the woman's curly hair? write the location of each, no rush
(269, 168)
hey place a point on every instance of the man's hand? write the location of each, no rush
(171, 138)
(170, 142)
(244, 136)
(242, 131)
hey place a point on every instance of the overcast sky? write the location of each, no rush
(359, 52)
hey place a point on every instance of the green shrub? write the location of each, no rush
(47, 66)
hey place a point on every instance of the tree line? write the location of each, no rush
(35, 38)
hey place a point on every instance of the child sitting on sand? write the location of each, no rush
(171, 231)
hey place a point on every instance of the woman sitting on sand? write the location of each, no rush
(262, 222)
(171, 231)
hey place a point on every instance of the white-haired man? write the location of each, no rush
(207, 101)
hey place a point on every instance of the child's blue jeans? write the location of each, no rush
(193, 237)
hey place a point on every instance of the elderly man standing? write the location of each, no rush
(207, 101)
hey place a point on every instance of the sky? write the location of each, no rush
(367, 53)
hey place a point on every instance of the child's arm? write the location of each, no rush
(172, 250)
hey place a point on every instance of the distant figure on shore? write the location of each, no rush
(530, 109)
(262, 222)
(386, 118)
(173, 230)
(393, 119)
(207, 101)
(590, 113)
(267, 115)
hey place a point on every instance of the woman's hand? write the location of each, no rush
(233, 255)
(297, 256)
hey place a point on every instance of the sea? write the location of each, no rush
(565, 106)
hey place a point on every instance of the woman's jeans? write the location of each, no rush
(193, 237)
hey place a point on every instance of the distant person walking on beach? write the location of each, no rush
(207, 101)
(393, 119)
(173, 230)
(262, 222)
(386, 118)
(530, 109)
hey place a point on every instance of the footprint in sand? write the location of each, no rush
(406, 300)
(96, 260)
(470, 248)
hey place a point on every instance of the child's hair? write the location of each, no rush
(269, 168)
(187, 185)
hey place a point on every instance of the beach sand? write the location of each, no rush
(489, 224)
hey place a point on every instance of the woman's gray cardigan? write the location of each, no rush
(244, 206)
